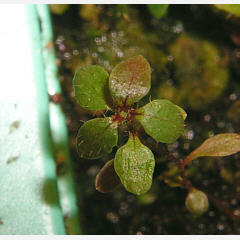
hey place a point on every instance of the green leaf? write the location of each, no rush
(221, 145)
(229, 8)
(130, 81)
(184, 114)
(158, 10)
(107, 179)
(134, 163)
(90, 87)
(197, 202)
(96, 138)
(162, 120)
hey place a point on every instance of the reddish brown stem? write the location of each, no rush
(117, 118)
(223, 207)
(188, 185)
(188, 159)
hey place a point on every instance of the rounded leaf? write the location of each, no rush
(90, 87)
(162, 120)
(197, 201)
(96, 138)
(107, 179)
(134, 163)
(130, 81)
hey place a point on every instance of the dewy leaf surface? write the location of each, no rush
(221, 145)
(162, 120)
(130, 81)
(107, 179)
(96, 138)
(90, 84)
(134, 163)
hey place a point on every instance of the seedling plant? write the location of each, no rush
(118, 95)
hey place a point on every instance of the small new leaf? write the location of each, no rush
(130, 81)
(90, 85)
(221, 145)
(134, 163)
(107, 179)
(162, 120)
(96, 138)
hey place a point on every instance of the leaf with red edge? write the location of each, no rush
(90, 87)
(162, 120)
(96, 138)
(221, 145)
(130, 81)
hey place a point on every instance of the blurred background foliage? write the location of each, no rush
(194, 52)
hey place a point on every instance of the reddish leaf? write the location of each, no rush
(130, 81)
(107, 179)
(218, 146)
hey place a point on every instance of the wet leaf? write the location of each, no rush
(158, 10)
(90, 86)
(197, 202)
(162, 120)
(96, 138)
(130, 81)
(134, 163)
(107, 179)
(221, 145)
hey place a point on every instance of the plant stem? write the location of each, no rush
(222, 206)
(187, 183)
